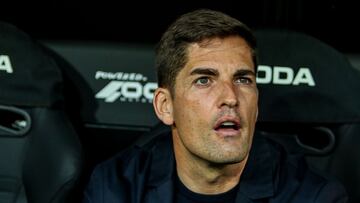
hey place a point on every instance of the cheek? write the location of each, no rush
(253, 108)
(185, 109)
(192, 110)
(248, 104)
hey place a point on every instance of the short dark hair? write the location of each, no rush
(193, 27)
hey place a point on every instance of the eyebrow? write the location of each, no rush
(204, 71)
(214, 72)
(243, 72)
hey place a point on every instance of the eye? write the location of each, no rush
(243, 80)
(202, 81)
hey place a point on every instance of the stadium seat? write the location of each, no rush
(112, 86)
(40, 153)
(309, 102)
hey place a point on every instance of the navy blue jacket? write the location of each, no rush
(144, 174)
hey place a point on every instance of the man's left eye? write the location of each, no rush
(243, 80)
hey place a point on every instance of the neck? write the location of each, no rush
(202, 176)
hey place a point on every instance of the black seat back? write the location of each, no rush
(114, 84)
(40, 154)
(309, 102)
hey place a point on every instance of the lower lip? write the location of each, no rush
(227, 132)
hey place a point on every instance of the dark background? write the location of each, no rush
(336, 22)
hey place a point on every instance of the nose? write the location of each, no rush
(228, 95)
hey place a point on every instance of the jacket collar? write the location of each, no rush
(163, 161)
(258, 180)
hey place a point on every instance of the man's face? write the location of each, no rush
(214, 106)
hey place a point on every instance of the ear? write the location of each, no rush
(163, 105)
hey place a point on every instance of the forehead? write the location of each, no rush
(220, 51)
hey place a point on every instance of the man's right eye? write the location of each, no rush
(202, 81)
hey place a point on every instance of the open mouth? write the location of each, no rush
(227, 125)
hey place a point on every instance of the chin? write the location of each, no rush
(228, 159)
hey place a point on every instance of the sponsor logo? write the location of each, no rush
(5, 64)
(119, 76)
(279, 75)
(125, 87)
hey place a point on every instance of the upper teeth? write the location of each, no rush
(227, 123)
